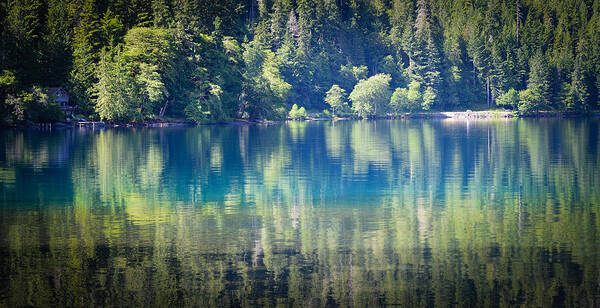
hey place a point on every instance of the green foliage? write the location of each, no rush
(297, 113)
(131, 84)
(33, 105)
(197, 113)
(407, 99)
(540, 79)
(414, 94)
(352, 74)
(579, 93)
(264, 90)
(370, 97)
(201, 109)
(424, 51)
(509, 99)
(399, 101)
(429, 97)
(530, 102)
(462, 54)
(336, 99)
(395, 69)
(162, 13)
(87, 43)
(7, 79)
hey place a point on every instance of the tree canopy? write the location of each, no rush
(371, 97)
(211, 62)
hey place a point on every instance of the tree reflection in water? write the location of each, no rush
(362, 213)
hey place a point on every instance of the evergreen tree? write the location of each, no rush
(24, 21)
(134, 83)
(279, 19)
(161, 11)
(56, 53)
(578, 96)
(463, 54)
(87, 44)
(425, 57)
(540, 80)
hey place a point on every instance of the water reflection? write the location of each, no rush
(365, 213)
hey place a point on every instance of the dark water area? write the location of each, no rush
(409, 213)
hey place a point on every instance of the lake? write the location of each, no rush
(351, 213)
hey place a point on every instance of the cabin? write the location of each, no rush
(61, 97)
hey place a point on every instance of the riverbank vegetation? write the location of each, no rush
(124, 61)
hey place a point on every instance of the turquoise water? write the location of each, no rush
(351, 213)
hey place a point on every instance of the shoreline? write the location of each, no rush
(458, 115)
(470, 115)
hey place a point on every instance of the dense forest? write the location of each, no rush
(212, 61)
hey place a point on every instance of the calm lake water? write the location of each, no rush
(357, 213)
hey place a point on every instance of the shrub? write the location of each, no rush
(406, 100)
(336, 98)
(297, 113)
(509, 99)
(34, 106)
(530, 101)
(370, 97)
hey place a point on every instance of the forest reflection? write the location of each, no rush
(357, 213)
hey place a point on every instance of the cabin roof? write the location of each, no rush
(59, 94)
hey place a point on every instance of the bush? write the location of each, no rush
(297, 113)
(530, 101)
(370, 97)
(509, 99)
(195, 112)
(406, 100)
(34, 106)
(336, 98)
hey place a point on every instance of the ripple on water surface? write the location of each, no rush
(350, 213)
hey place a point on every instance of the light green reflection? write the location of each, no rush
(361, 213)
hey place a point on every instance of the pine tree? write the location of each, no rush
(594, 53)
(186, 14)
(25, 23)
(578, 97)
(306, 22)
(279, 18)
(162, 13)
(425, 57)
(482, 62)
(57, 44)
(87, 44)
(579, 91)
(540, 78)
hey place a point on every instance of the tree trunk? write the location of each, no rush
(487, 91)
(163, 109)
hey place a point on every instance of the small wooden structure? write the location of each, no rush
(62, 98)
(90, 123)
